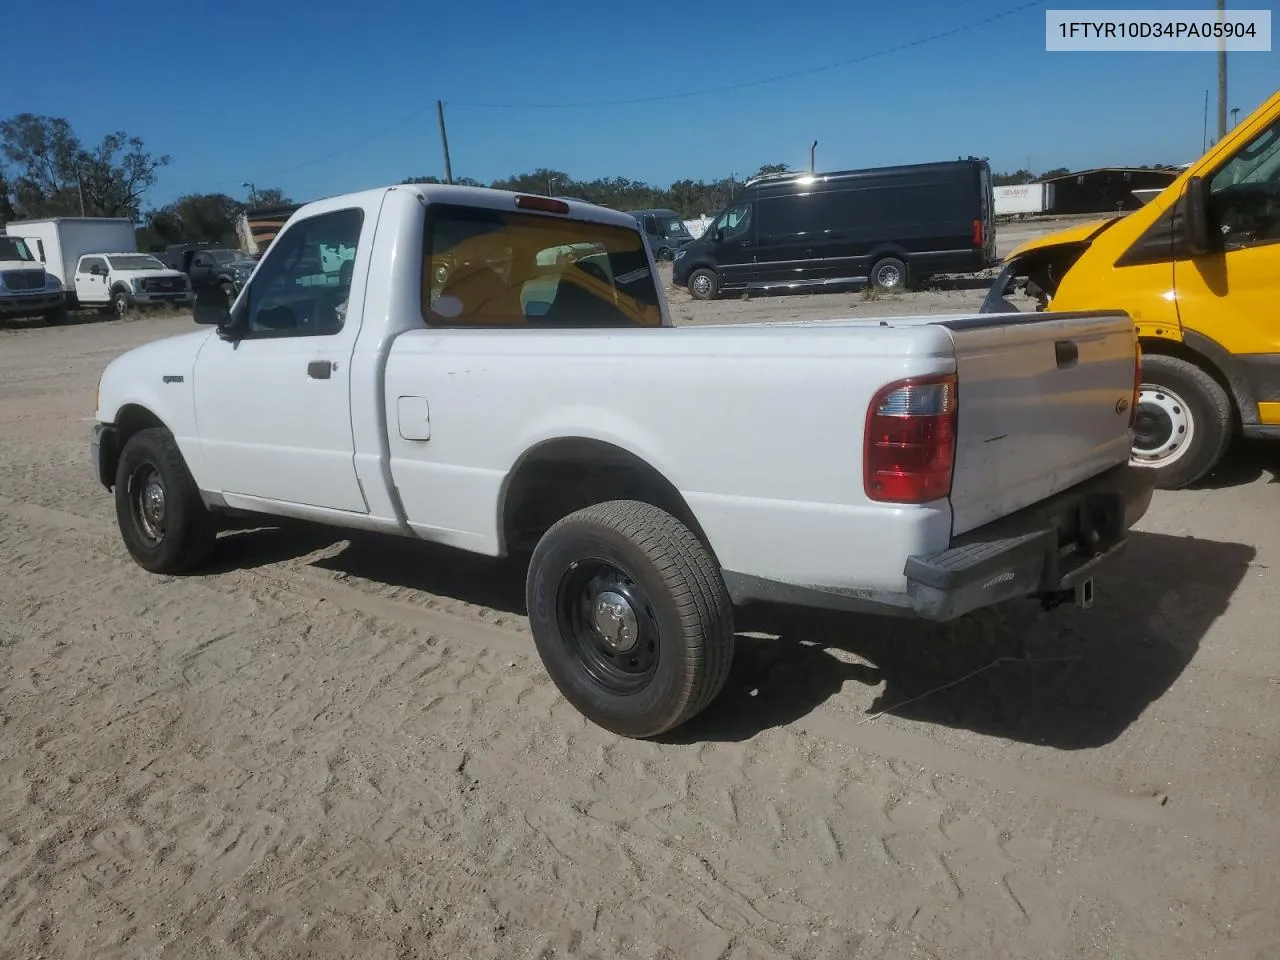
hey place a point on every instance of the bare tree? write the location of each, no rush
(54, 174)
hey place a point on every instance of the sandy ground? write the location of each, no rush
(333, 748)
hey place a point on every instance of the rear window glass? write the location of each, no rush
(493, 268)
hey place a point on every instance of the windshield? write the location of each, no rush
(137, 261)
(14, 248)
(1257, 163)
(676, 228)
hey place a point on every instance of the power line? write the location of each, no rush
(656, 98)
(762, 81)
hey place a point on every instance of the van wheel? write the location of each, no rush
(703, 284)
(889, 274)
(665, 255)
(630, 616)
(1183, 423)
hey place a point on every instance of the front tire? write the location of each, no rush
(630, 616)
(164, 523)
(1183, 424)
(121, 302)
(704, 284)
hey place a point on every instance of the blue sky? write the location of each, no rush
(280, 86)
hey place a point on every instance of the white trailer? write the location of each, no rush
(1023, 198)
(60, 242)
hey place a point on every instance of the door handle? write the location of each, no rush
(319, 369)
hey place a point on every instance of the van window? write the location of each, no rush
(1244, 196)
(493, 268)
(782, 218)
(735, 222)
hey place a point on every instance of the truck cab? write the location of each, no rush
(120, 281)
(26, 288)
(1198, 270)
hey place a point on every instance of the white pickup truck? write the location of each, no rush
(499, 373)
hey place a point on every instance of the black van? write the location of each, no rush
(664, 231)
(890, 226)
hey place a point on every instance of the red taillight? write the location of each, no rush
(910, 444)
(545, 204)
(979, 234)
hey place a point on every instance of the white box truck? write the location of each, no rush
(1023, 199)
(97, 261)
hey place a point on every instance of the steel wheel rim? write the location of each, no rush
(148, 503)
(1163, 427)
(608, 626)
(702, 284)
(122, 306)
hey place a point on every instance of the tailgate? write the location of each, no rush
(1044, 403)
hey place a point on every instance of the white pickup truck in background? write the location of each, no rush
(499, 373)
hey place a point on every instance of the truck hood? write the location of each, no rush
(137, 376)
(1080, 233)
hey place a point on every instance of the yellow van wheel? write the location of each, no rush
(1183, 424)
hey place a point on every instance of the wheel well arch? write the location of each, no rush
(1214, 360)
(129, 419)
(556, 477)
(120, 287)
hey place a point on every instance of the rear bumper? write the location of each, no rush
(1046, 550)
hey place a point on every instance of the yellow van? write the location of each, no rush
(1198, 270)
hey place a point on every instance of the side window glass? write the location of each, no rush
(736, 223)
(301, 287)
(85, 264)
(1244, 195)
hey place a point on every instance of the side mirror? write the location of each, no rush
(1195, 216)
(211, 307)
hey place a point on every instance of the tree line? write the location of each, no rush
(46, 170)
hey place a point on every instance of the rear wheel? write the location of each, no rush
(703, 284)
(889, 274)
(1183, 423)
(630, 616)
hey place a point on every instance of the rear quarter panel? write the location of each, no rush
(759, 428)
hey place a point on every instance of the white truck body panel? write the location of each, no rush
(418, 430)
(60, 242)
(1023, 198)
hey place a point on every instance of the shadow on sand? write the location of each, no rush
(1066, 678)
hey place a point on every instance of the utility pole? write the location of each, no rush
(1204, 139)
(812, 148)
(444, 142)
(1235, 115)
(1222, 74)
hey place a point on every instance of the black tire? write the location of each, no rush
(181, 536)
(889, 273)
(1184, 421)
(121, 303)
(665, 255)
(704, 284)
(681, 617)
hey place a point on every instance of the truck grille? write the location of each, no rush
(23, 279)
(162, 285)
